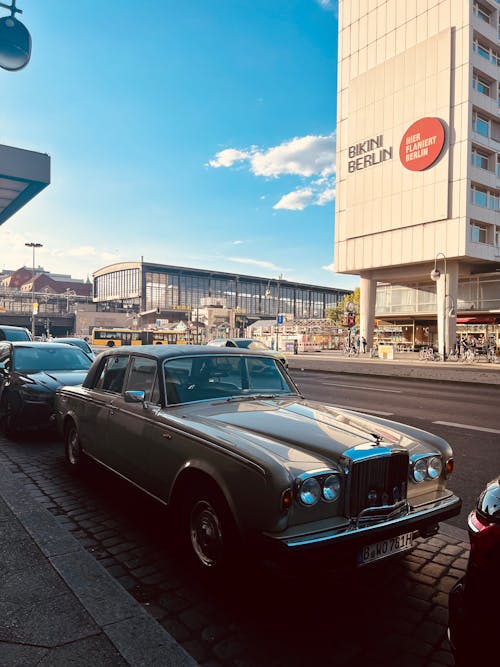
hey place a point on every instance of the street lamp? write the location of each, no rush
(268, 295)
(33, 246)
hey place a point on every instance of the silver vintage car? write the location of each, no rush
(247, 465)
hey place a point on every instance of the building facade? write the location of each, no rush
(418, 162)
(145, 287)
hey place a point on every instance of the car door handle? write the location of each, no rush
(166, 435)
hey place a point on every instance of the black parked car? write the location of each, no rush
(77, 342)
(474, 604)
(30, 373)
(14, 333)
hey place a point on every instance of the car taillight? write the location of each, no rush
(484, 539)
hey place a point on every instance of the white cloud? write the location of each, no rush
(237, 242)
(228, 157)
(329, 5)
(295, 201)
(311, 158)
(82, 251)
(326, 197)
(256, 262)
(302, 156)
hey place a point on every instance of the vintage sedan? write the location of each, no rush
(30, 373)
(247, 465)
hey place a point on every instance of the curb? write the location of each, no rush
(139, 639)
(438, 372)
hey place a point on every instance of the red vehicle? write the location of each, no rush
(474, 603)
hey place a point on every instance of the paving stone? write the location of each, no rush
(228, 649)
(452, 549)
(19, 655)
(96, 651)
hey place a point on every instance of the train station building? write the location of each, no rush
(418, 166)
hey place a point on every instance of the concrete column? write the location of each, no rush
(446, 294)
(367, 295)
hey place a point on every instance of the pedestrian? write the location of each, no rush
(357, 342)
(295, 346)
(363, 343)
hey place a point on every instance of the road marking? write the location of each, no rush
(373, 412)
(357, 386)
(469, 427)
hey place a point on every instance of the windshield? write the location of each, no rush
(251, 344)
(35, 359)
(202, 378)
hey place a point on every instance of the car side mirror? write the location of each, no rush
(135, 396)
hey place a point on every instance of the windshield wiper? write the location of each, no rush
(256, 397)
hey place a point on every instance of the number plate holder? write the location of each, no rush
(385, 548)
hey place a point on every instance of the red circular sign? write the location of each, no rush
(421, 144)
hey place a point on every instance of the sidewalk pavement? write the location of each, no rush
(405, 364)
(59, 606)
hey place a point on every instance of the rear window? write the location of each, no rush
(14, 334)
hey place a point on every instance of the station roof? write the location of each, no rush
(23, 174)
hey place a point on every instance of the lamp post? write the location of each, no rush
(435, 276)
(268, 295)
(33, 246)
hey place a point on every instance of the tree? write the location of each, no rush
(337, 313)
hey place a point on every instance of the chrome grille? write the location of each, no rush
(377, 481)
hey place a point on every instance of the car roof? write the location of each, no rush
(32, 343)
(174, 351)
(10, 327)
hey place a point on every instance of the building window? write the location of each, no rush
(480, 159)
(481, 125)
(479, 232)
(479, 197)
(481, 85)
(498, 166)
(482, 12)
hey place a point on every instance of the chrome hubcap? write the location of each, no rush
(206, 533)
(73, 447)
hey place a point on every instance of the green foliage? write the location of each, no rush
(337, 314)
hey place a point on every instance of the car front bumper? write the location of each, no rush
(345, 542)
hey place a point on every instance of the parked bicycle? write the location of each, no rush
(429, 354)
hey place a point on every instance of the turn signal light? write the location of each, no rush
(449, 466)
(286, 501)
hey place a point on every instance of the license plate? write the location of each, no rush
(385, 548)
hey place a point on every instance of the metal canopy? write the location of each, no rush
(23, 174)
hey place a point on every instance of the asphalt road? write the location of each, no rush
(466, 415)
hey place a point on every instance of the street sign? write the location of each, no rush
(280, 318)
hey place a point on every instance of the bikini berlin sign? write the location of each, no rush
(421, 144)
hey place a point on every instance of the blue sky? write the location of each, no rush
(196, 133)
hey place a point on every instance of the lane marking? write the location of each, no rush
(357, 386)
(469, 427)
(350, 407)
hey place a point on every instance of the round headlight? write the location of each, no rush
(310, 492)
(420, 470)
(434, 467)
(331, 488)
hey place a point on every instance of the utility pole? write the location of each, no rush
(33, 246)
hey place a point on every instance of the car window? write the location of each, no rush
(45, 358)
(141, 376)
(14, 334)
(210, 377)
(112, 374)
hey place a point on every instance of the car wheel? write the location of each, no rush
(110, 343)
(75, 458)
(209, 532)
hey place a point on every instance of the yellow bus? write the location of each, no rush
(115, 336)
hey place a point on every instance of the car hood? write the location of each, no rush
(54, 379)
(296, 430)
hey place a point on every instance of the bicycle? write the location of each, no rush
(492, 356)
(428, 354)
(350, 351)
